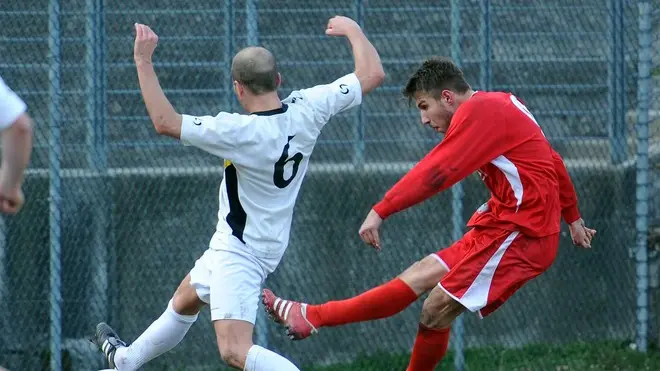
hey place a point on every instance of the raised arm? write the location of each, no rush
(368, 67)
(16, 148)
(164, 117)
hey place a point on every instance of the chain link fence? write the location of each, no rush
(116, 215)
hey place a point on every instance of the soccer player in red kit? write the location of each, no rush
(513, 237)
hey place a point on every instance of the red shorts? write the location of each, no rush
(487, 266)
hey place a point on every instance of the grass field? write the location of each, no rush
(591, 356)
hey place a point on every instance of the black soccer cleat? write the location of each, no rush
(108, 342)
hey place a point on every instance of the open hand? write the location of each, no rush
(580, 234)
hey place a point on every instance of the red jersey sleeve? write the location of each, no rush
(476, 136)
(567, 195)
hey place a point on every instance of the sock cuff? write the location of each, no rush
(180, 317)
(404, 287)
(431, 330)
(251, 359)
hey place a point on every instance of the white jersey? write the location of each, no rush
(266, 157)
(11, 106)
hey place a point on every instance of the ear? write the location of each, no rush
(448, 96)
(238, 89)
(278, 80)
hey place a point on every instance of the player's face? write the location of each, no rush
(436, 111)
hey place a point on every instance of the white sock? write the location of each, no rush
(164, 334)
(262, 359)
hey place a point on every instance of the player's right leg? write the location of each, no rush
(236, 280)
(238, 351)
(386, 300)
(167, 331)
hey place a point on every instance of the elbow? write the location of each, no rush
(168, 126)
(162, 124)
(380, 73)
(373, 79)
(161, 127)
(23, 126)
(378, 76)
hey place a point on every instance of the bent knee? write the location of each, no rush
(232, 355)
(186, 305)
(424, 274)
(185, 300)
(233, 346)
(440, 310)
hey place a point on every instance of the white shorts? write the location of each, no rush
(230, 281)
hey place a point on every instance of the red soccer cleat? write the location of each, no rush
(291, 314)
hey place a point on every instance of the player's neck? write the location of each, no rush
(262, 103)
(465, 96)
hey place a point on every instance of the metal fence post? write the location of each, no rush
(252, 24)
(96, 87)
(644, 86)
(229, 51)
(54, 155)
(457, 192)
(359, 112)
(485, 36)
(97, 158)
(616, 66)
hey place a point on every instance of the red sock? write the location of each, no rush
(383, 301)
(429, 349)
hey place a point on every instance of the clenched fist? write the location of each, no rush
(369, 229)
(342, 26)
(146, 41)
(11, 200)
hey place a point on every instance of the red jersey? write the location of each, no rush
(496, 135)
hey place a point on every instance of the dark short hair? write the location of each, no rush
(256, 69)
(435, 75)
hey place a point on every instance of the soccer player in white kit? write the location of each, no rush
(16, 131)
(266, 156)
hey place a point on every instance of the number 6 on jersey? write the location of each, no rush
(278, 175)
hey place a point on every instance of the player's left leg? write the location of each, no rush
(168, 330)
(438, 313)
(161, 336)
(499, 264)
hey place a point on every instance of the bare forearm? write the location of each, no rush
(164, 117)
(16, 151)
(368, 67)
